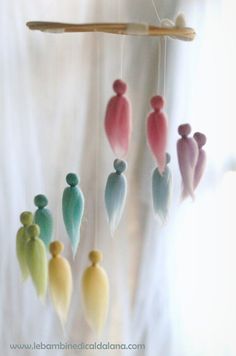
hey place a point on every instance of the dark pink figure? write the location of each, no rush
(118, 123)
(201, 162)
(187, 150)
(157, 129)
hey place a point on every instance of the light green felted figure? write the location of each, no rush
(43, 218)
(36, 258)
(26, 218)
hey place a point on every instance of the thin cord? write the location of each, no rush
(162, 63)
(159, 66)
(122, 59)
(158, 85)
(156, 11)
(97, 140)
(122, 44)
(162, 50)
(164, 66)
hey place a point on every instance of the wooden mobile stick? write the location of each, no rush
(133, 29)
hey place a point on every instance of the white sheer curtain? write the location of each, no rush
(172, 288)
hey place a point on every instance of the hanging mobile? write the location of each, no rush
(60, 281)
(201, 140)
(95, 293)
(36, 259)
(157, 129)
(26, 218)
(73, 210)
(161, 191)
(115, 194)
(43, 218)
(187, 150)
(118, 122)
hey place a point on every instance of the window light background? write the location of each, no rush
(174, 288)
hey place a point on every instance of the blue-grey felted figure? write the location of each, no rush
(161, 191)
(43, 218)
(115, 194)
(73, 210)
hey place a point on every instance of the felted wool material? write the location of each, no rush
(95, 293)
(22, 238)
(157, 130)
(118, 122)
(43, 218)
(187, 150)
(73, 210)
(161, 192)
(60, 281)
(115, 194)
(201, 162)
(36, 258)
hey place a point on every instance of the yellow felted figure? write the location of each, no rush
(95, 293)
(36, 259)
(60, 281)
(22, 238)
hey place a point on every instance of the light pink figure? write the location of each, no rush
(157, 130)
(201, 162)
(187, 150)
(118, 122)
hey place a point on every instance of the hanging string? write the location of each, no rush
(164, 67)
(156, 11)
(162, 64)
(97, 139)
(122, 59)
(122, 45)
(162, 57)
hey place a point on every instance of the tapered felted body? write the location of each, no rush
(157, 130)
(36, 258)
(187, 151)
(60, 281)
(43, 218)
(95, 294)
(115, 194)
(161, 193)
(73, 210)
(201, 162)
(22, 238)
(118, 123)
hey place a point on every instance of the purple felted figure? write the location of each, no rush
(118, 123)
(201, 162)
(157, 129)
(187, 150)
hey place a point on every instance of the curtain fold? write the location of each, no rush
(53, 93)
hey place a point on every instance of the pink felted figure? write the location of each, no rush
(118, 123)
(201, 162)
(187, 150)
(157, 129)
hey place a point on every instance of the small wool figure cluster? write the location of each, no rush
(35, 236)
(191, 156)
(34, 240)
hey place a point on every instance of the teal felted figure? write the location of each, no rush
(43, 218)
(161, 191)
(73, 210)
(22, 237)
(115, 194)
